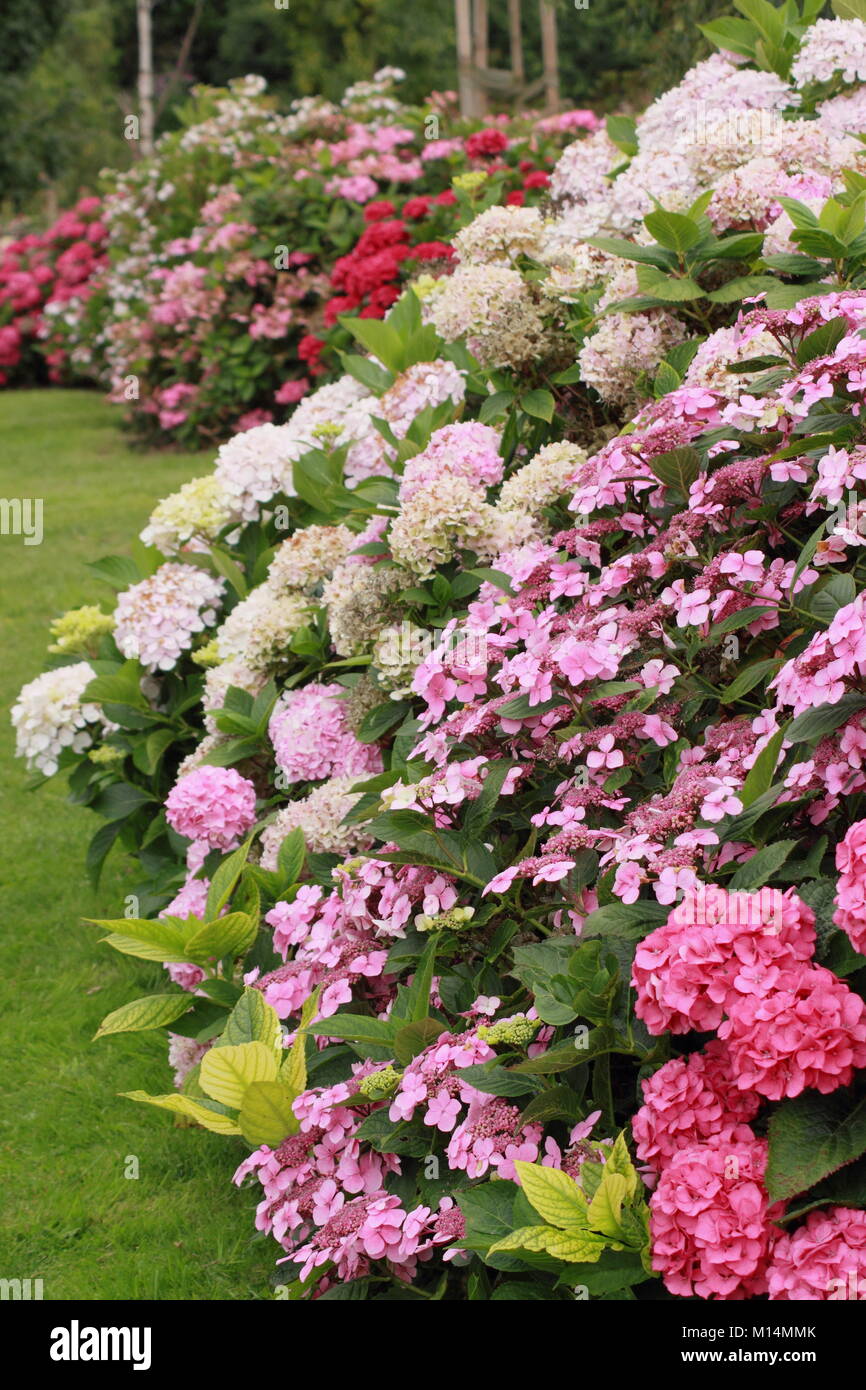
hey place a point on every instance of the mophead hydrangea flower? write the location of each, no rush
(688, 1101)
(715, 947)
(312, 740)
(215, 805)
(157, 619)
(711, 1222)
(824, 1260)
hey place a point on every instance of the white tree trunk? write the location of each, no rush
(145, 75)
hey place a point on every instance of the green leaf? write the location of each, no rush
(677, 468)
(813, 724)
(622, 132)
(290, 857)
(748, 679)
(413, 1037)
(761, 867)
(495, 1080)
(251, 1020)
(738, 35)
(670, 289)
(417, 1002)
(568, 1053)
(266, 1115)
(837, 593)
(225, 878)
(152, 1011)
(378, 721)
(356, 1028)
(120, 800)
(810, 1138)
(760, 777)
(744, 287)
(822, 341)
(539, 403)
(481, 810)
(673, 230)
(849, 9)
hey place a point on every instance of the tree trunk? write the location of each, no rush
(481, 50)
(465, 74)
(549, 55)
(145, 75)
(516, 36)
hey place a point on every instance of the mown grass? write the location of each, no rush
(69, 1215)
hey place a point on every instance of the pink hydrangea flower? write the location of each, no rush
(808, 1032)
(823, 1260)
(713, 947)
(212, 804)
(850, 912)
(688, 1101)
(711, 1221)
(312, 739)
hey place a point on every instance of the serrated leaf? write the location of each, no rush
(810, 1138)
(231, 935)
(761, 867)
(251, 1020)
(604, 1209)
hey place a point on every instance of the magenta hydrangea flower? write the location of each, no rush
(850, 912)
(809, 1032)
(367, 1228)
(711, 1221)
(688, 1101)
(823, 1260)
(213, 804)
(713, 947)
(492, 1136)
(312, 738)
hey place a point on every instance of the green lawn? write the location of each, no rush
(69, 1215)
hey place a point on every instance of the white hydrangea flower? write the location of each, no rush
(157, 619)
(49, 715)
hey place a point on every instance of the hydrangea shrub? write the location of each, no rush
(490, 736)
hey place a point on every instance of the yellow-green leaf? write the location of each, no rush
(533, 1238)
(619, 1161)
(184, 1105)
(151, 1011)
(555, 1196)
(266, 1115)
(293, 1072)
(606, 1205)
(226, 1072)
(134, 936)
(571, 1247)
